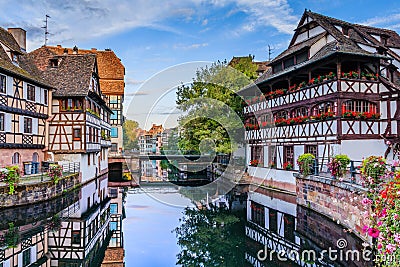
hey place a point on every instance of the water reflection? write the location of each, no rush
(72, 230)
(253, 231)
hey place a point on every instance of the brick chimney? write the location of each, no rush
(19, 35)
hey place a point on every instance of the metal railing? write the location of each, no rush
(319, 167)
(41, 174)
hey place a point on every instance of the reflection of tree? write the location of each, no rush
(210, 237)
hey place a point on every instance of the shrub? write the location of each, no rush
(338, 165)
(305, 163)
(11, 175)
(254, 162)
(55, 172)
(372, 169)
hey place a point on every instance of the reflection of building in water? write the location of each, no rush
(271, 222)
(84, 232)
(114, 254)
(23, 239)
(24, 245)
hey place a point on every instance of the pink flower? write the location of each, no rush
(390, 248)
(379, 245)
(365, 228)
(397, 238)
(366, 201)
(373, 232)
(396, 216)
(383, 213)
(379, 223)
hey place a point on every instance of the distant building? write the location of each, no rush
(24, 104)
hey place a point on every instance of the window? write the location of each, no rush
(288, 62)
(26, 257)
(312, 149)
(54, 62)
(299, 112)
(303, 56)
(114, 132)
(114, 115)
(257, 154)
(27, 125)
(323, 108)
(114, 147)
(3, 84)
(90, 134)
(359, 106)
(30, 92)
(281, 115)
(289, 227)
(272, 156)
(88, 159)
(76, 237)
(78, 104)
(257, 214)
(113, 99)
(288, 154)
(77, 134)
(114, 208)
(273, 220)
(2, 122)
(113, 226)
(15, 158)
(45, 96)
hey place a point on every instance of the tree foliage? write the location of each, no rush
(130, 129)
(246, 66)
(209, 237)
(212, 109)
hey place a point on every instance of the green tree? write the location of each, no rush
(246, 66)
(130, 129)
(210, 237)
(213, 110)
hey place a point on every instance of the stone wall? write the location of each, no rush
(337, 200)
(31, 193)
(319, 233)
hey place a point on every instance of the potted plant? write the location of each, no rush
(55, 172)
(272, 165)
(372, 168)
(305, 163)
(338, 165)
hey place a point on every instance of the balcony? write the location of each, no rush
(105, 143)
(313, 91)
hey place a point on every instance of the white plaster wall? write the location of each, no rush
(266, 159)
(273, 203)
(359, 149)
(274, 174)
(298, 150)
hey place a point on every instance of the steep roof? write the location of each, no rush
(110, 68)
(73, 74)
(8, 40)
(342, 44)
(25, 67)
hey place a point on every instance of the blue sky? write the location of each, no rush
(150, 36)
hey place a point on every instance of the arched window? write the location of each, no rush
(359, 106)
(281, 115)
(323, 108)
(16, 158)
(299, 112)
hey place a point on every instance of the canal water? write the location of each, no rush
(161, 226)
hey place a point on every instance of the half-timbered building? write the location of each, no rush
(24, 103)
(335, 90)
(79, 128)
(84, 233)
(111, 77)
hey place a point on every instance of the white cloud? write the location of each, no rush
(74, 21)
(191, 46)
(391, 21)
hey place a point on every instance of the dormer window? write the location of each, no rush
(384, 40)
(54, 62)
(14, 57)
(345, 31)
